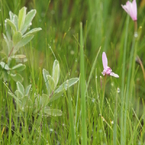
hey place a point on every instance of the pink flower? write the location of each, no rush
(131, 9)
(107, 70)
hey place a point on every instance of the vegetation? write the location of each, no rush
(52, 90)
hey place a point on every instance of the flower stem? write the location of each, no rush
(135, 29)
(102, 102)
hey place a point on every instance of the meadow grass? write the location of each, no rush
(97, 110)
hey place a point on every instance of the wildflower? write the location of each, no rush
(131, 9)
(107, 70)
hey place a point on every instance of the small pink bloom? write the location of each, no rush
(107, 70)
(131, 9)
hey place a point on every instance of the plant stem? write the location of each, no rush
(11, 51)
(102, 102)
(83, 89)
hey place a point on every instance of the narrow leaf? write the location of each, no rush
(19, 94)
(20, 56)
(12, 94)
(44, 100)
(11, 15)
(50, 82)
(21, 17)
(11, 24)
(17, 37)
(32, 31)
(45, 73)
(29, 17)
(55, 97)
(67, 84)
(20, 87)
(16, 77)
(22, 42)
(8, 31)
(56, 72)
(19, 67)
(27, 90)
(7, 42)
(52, 112)
(15, 20)
(4, 66)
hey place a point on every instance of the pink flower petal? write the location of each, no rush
(135, 9)
(108, 70)
(114, 75)
(131, 9)
(104, 60)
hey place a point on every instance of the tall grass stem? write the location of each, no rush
(123, 77)
(83, 89)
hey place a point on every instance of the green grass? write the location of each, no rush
(94, 111)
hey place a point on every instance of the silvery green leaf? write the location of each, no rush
(27, 90)
(56, 72)
(11, 15)
(11, 24)
(17, 100)
(19, 67)
(19, 94)
(45, 73)
(32, 31)
(17, 37)
(22, 42)
(12, 94)
(15, 20)
(51, 82)
(7, 42)
(26, 103)
(55, 97)
(4, 65)
(44, 99)
(67, 84)
(16, 77)
(20, 88)
(21, 17)
(19, 56)
(52, 112)
(8, 31)
(29, 17)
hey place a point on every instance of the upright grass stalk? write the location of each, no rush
(10, 124)
(76, 115)
(71, 118)
(128, 93)
(123, 77)
(115, 123)
(133, 65)
(83, 90)
(93, 67)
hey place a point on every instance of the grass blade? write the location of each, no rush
(83, 88)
